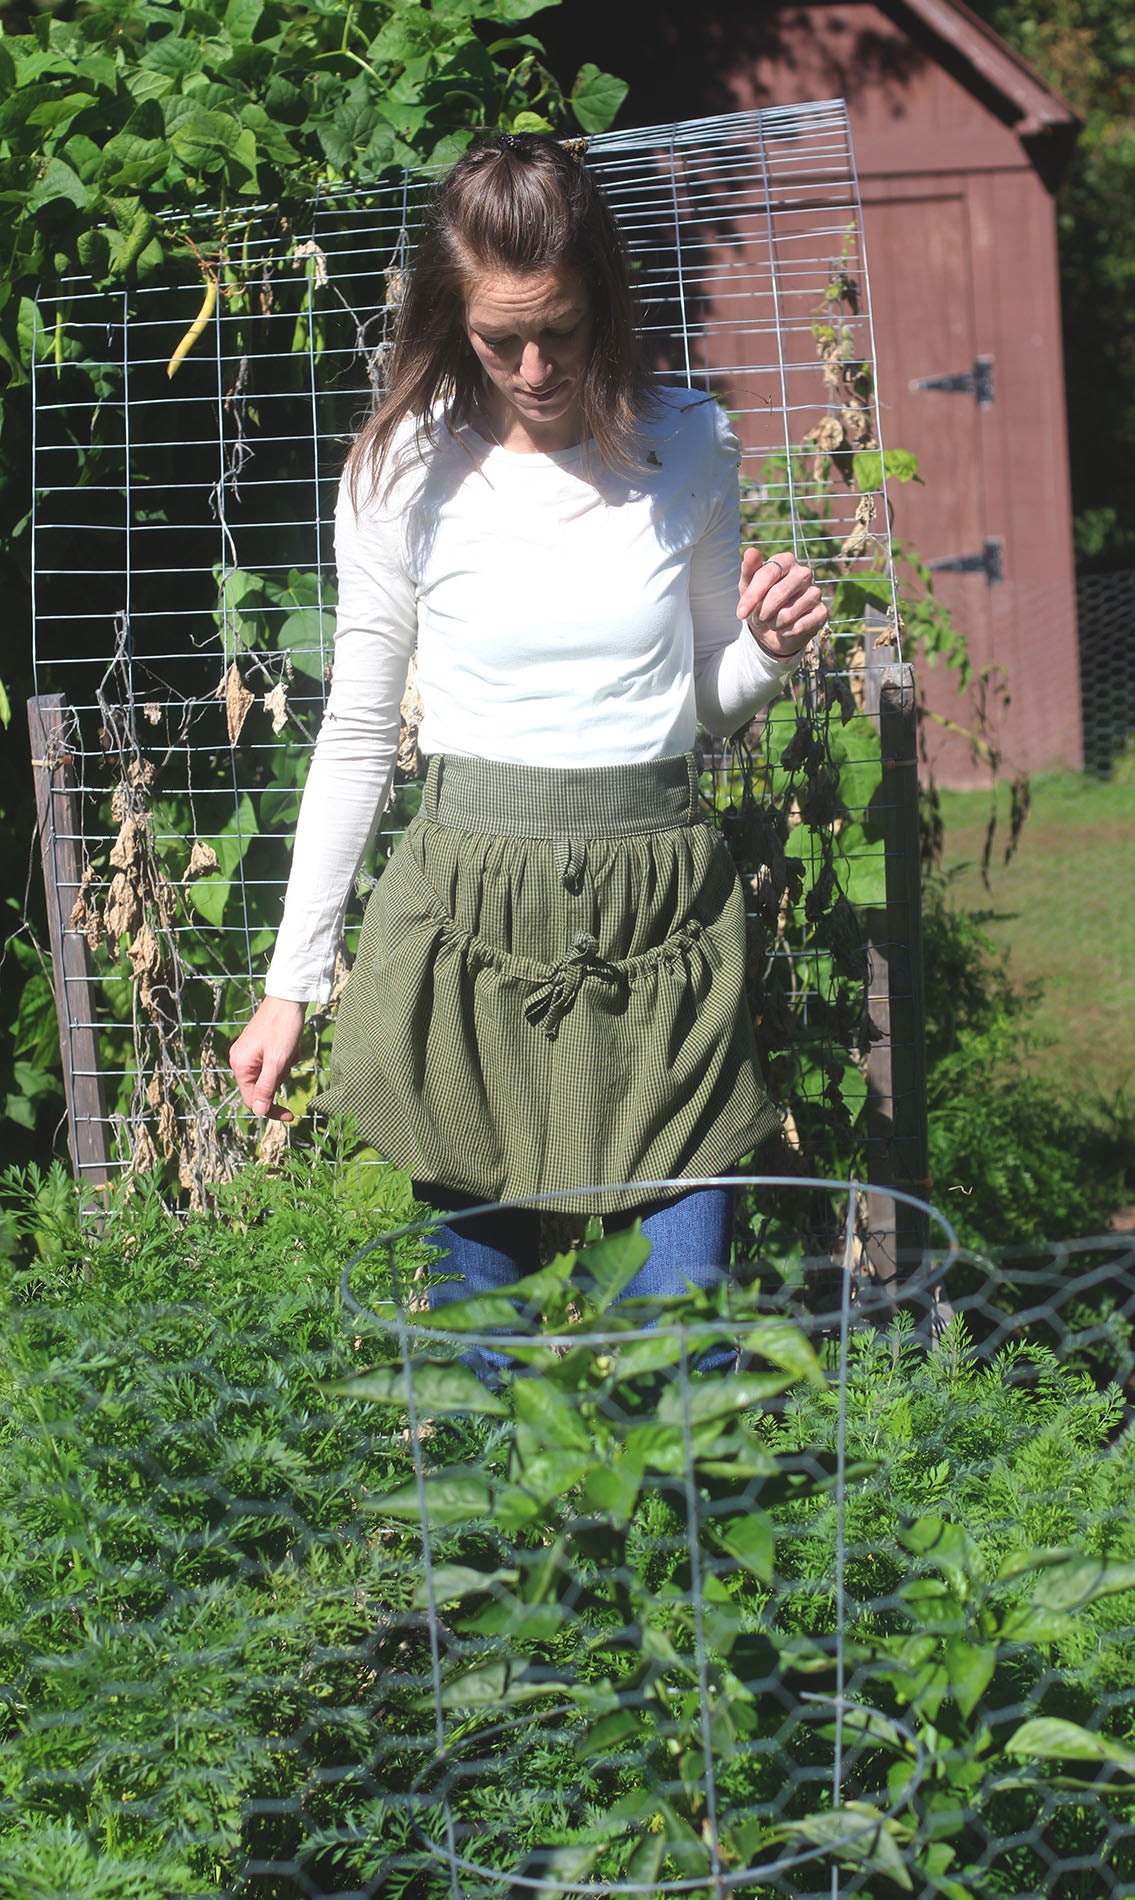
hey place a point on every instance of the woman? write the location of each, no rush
(549, 987)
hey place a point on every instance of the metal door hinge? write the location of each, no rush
(977, 382)
(990, 562)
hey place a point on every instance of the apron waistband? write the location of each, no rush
(569, 802)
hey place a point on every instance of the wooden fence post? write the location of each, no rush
(898, 1136)
(59, 828)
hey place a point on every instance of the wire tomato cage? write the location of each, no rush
(600, 1599)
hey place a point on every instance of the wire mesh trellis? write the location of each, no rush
(184, 607)
(298, 1607)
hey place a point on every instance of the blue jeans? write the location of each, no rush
(690, 1242)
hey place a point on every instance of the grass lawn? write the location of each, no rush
(1064, 908)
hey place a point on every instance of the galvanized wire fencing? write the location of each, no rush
(185, 604)
(1051, 893)
(1105, 607)
(1022, 706)
(291, 1603)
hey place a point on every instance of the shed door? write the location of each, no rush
(918, 251)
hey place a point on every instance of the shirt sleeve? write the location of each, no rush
(353, 763)
(733, 676)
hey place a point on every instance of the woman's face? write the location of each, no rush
(531, 333)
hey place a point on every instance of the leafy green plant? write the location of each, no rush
(803, 811)
(1014, 1160)
(246, 1569)
(31, 1079)
(652, 1574)
(190, 1603)
(585, 1591)
(799, 806)
(39, 1222)
(1002, 1483)
(122, 112)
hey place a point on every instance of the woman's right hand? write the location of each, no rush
(262, 1055)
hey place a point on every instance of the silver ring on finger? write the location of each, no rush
(779, 568)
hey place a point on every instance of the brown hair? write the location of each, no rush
(512, 203)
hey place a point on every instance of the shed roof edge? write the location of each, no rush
(1038, 104)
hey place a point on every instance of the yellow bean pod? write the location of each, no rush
(208, 305)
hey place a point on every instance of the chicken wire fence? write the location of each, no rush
(184, 608)
(1105, 609)
(292, 1604)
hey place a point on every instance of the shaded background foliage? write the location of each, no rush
(1086, 49)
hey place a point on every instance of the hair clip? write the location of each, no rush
(576, 149)
(510, 143)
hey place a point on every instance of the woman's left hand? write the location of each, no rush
(780, 602)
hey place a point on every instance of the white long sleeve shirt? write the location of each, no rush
(563, 615)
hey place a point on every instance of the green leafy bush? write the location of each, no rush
(188, 1622)
(243, 1581)
(1012, 1159)
(1008, 1480)
(668, 1560)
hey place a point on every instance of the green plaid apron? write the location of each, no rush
(549, 991)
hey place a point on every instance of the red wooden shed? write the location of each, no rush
(960, 147)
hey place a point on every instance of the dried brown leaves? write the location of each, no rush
(85, 913)
(123, 910)
(273, 1143)
(129, 795)
(214, 1079)
(338, 983)
(826, 440)
(838, 435)
(238, 702)
(202, 859)
(143, 1154)
(167, 1119)
(276, 703)
(130, 842)
(411, 715)
(309, 248)
(861, 537)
